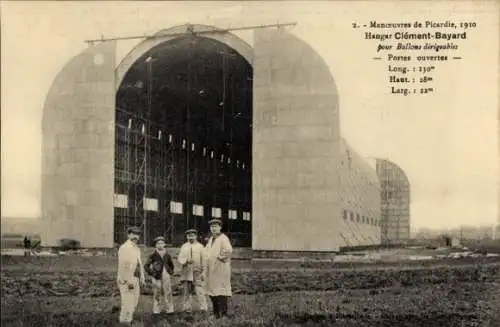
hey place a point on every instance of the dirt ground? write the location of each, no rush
(68, 291)
(109, 264)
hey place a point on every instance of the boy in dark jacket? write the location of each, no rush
(160, 267)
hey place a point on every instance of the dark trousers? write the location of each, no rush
(220, 305)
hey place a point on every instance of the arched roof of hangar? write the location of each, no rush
(231, 40)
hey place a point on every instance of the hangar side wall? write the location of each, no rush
(359, 188)
(314, 213)
(78, 151)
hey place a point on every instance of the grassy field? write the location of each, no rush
(76, 291)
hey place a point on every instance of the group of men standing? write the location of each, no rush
(205, 271)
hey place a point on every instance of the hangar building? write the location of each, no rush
(195, 123)
(395, 203)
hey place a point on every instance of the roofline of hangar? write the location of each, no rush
(361, 162)
(229, 39)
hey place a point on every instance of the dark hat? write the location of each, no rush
(159, 238)
(134, 230)
(192, 231)
(215, 221)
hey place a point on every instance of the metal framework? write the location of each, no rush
(190, 31)
(395, 203)
(169, 168)
(144, 165)
(153, 162)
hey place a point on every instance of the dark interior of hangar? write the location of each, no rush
(183, 119)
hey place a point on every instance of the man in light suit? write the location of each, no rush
(192, 260)
(130, 275)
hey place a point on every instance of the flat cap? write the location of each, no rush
(134, 230)
(215, 221)
(159, 238)
(192, 231)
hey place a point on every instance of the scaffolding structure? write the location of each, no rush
(395, 203)
(172, 183)
(164, 174)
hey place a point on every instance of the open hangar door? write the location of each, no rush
(184, 141)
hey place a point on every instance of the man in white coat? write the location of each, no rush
(218, 273)
(192, 260)
(130, 275)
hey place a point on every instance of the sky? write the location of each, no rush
(447, 141)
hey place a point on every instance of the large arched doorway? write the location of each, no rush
(184, 120)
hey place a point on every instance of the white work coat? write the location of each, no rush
(218, 271)
(194, 252)
(129, 259)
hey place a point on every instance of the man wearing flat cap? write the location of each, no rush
(161, 267)
(218, 274)
(130, 275)
(192, 260)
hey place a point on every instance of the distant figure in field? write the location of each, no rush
(218, 274)
(192, 260)
(27, 246)
(161, 267)
(130, 275)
